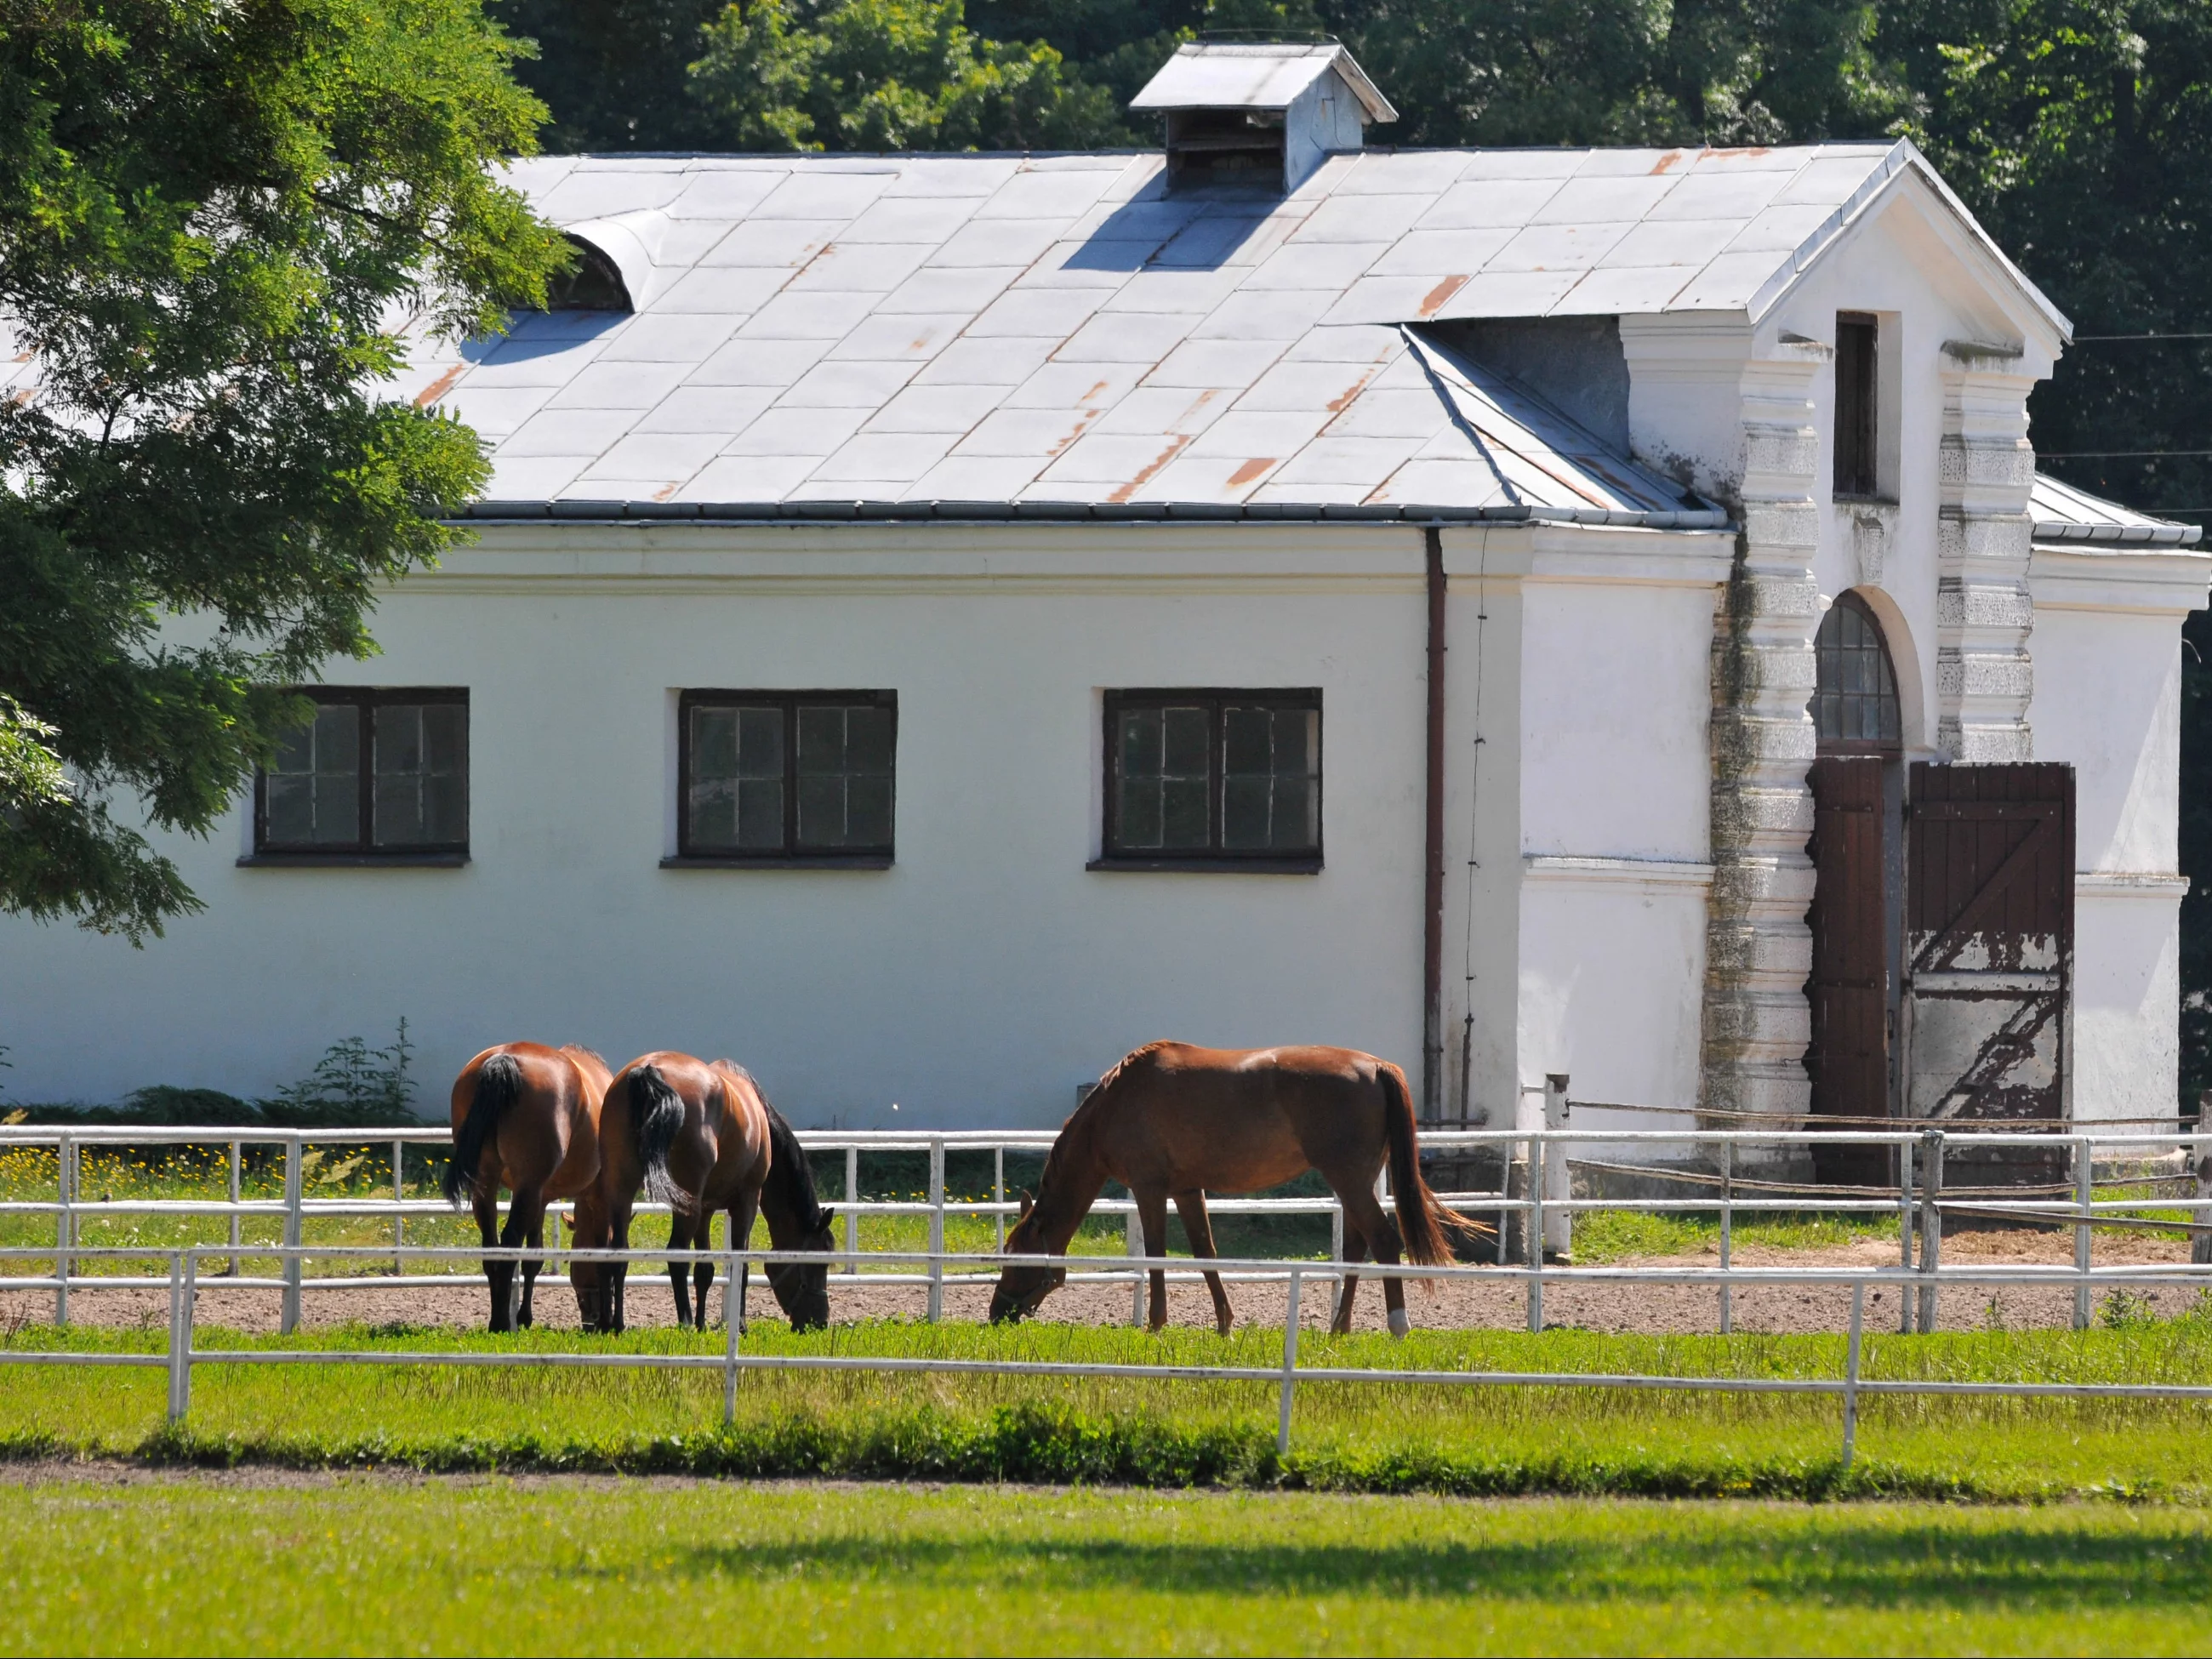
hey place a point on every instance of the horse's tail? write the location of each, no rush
(1422, 1220)
(656, 1113)
(499, 1085)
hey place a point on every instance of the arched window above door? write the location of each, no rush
(1854, 706)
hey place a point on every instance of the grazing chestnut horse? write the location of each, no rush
(700, 1138)
(525, 1117)
(1172, 1121)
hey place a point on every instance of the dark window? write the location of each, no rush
(594, 284)
(1854, 708)
(1855, 472)
(375, 773)
(777, 775)
(1223, 777)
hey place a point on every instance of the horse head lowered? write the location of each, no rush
(1023, 1285)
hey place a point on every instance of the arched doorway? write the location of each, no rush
(1857, 913)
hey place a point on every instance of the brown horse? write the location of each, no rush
(525, 1117)
(700, 1138)
(1172, 1121)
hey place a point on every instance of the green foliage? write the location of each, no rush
(612, 71)
(2125, 1311)
(351, 1086)
(210, 216)
(886, 75)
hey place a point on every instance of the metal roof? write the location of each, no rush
(1219, 75)
(2063, 514)
(1025, 330)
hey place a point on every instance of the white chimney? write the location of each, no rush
(1260, 115)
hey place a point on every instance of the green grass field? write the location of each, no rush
(374, 1566)
(422, 1508)
(415, 1509)
(1158, 1431)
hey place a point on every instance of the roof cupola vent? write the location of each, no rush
(1260, 114)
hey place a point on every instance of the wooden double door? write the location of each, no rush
(1943, 924)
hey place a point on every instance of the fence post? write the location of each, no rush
(998, 1196)
(1931, 1227)
(64, 1223)
(400, 1216)
(1727, 1232)
(2200, 1241)
(1290, 1368)
(1557, 1233)
(852, 1215)
(1133, 1242)
(1505, 1224)
(237, 1191)
(292, 1232)
(1851, 1372)
(2085, 1192)
(936, 1228)
(730, 1351)
(183, 1290)
(1904, 1235)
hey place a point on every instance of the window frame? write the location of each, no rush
(1216, 857)
(1860, 438)
(1881, 747)
(364, 849)
(792, 856)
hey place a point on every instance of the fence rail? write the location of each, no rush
(181, 1357)
(1536, 1202)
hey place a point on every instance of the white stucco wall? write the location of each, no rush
(987, 973)
(975, 982)
(2108, 699)
(1614, 782)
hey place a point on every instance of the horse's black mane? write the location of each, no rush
(790, 1171)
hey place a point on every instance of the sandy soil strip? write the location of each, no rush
(1672, 1309)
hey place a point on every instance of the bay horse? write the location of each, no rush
(701, 1137)
(1173, 1120)
(525, 1117)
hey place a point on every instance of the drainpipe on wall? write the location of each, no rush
(1432, 903)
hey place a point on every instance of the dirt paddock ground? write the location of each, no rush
(1673, 1310)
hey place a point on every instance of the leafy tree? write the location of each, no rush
(886, 75)
(613, 72)
(212, 212)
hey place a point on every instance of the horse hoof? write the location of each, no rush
(1400, 1324)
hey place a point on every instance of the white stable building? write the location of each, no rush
(939, 621)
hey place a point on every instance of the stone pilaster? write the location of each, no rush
(1984, 676)
(1759, 949)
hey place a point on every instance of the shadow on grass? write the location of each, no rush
(1935, 1566)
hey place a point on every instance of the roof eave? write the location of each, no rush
(1903, 159)
(2121, 535)
(816, 512)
